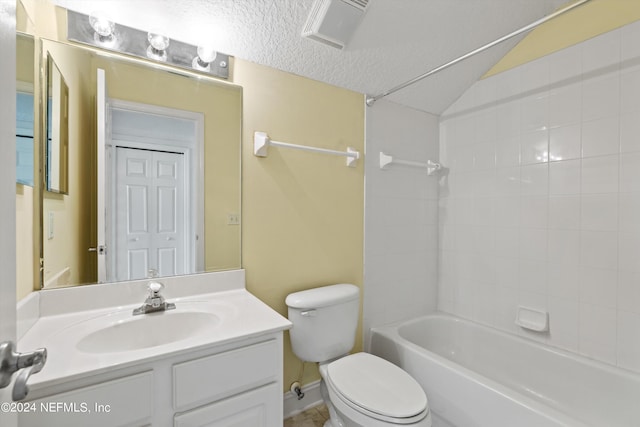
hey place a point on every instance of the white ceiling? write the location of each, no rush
(397, 40)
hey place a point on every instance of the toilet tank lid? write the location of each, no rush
(323, 296)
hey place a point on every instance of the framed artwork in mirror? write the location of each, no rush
(57, 130)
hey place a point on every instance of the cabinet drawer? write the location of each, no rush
(255, 408)
(117, 403)
(214, 377)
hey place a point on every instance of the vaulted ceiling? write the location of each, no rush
(396, 41)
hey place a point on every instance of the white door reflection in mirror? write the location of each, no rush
(150, 213)
(148, 209)
(103, 143)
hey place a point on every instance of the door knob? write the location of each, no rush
(100, 249)
(27, 363)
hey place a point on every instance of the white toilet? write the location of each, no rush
(360, 390)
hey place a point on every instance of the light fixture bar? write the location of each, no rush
(134, 42)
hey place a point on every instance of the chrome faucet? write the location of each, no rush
(155, 301)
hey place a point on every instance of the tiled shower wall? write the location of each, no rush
(540, 206)
(401, 216)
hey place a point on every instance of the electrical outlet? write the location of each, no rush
(233, 219)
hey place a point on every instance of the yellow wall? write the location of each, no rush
(24, 238)
(302, 212)
(587, 21)
(25, 60)
(24, 23)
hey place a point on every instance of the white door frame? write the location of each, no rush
(8, 188)
(103, 136)
(194, 179)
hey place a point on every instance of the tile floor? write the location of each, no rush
(314, 417)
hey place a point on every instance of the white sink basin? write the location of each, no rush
(120, 331)
(147, 330)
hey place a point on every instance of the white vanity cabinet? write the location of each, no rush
(236, 384)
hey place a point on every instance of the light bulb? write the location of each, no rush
(158, 44)
(103, 27)
(101, 24)
(206, 55)
(158, 41)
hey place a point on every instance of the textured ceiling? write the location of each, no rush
(397, 40)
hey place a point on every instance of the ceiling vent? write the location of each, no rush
(333, 22)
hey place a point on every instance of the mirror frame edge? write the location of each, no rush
(39, 160)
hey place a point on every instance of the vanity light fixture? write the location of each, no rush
(99, 31)
(206, 55)
(158, 45)
(103, 27)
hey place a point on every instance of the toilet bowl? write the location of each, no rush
(365, 390)
(360, 390)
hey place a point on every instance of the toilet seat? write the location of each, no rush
(377, 388)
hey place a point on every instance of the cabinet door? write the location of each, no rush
(124, 402)
(211, 378)
(254, 408)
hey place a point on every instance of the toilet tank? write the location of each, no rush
(324, 321)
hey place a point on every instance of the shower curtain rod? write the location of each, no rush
(370, 100)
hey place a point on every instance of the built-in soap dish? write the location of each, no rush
(532, 319)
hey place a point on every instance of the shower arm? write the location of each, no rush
(370, 100)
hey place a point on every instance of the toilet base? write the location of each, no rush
(334, 420)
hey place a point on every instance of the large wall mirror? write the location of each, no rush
(153, 165)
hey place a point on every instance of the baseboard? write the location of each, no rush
(312, 398)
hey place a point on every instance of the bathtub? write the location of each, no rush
(476, 376)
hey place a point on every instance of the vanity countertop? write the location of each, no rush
(239, 316)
